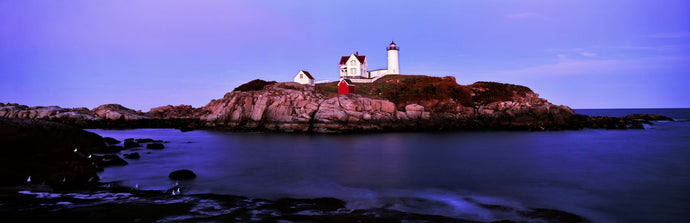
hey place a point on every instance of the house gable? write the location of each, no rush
(304, 77)
(306, 74)
(345, 60)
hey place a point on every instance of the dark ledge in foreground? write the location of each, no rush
(123, 204)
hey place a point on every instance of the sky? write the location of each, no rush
(145, 54)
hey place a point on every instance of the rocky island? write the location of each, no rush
(47, 149)
(392, 103)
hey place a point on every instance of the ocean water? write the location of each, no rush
(602, 175)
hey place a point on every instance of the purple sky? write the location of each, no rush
(144, 54)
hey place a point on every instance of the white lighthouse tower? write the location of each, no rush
(393, 66)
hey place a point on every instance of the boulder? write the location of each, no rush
(147, 140)
(130, 143)
(414, 111)
(134, 155)
(155, 146)
(111, 141)
(182, 175)
(112, 149)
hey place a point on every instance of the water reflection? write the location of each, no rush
(622, 175)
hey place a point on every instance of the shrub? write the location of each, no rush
(254, 85)
(487, 92)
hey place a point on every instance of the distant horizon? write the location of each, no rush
(328, 81)
(147, 109)
(142, 54)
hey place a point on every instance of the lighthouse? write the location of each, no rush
(355, 66)
(393, 66)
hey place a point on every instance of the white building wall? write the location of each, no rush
(393, 66)
(366, 80)
(363, 69)
(377, 73)
(302, 78)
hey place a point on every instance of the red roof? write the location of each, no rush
(308, 74)
(343, 60)
(348, 82)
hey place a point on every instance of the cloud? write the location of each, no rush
(670, 35)
(577, 67)
(588, 54)
(564, 67)
(563, 53)
(525, 15)
(654, 48)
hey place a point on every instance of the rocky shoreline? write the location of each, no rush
(292, 107)
(47, 149)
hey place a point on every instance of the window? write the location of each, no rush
(353, 70)
(352, 63)
(300, 76)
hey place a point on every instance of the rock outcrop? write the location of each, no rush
(392, 103)
(404, 103)
(291, 107)
(50, 112)
(108, 116)
(175, 112)
(117, 112)
(103, 112)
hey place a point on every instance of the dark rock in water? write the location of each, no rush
(182, 175)
(113, 149)
(155, 146)
(110, 160)
(111, 141)
(147, 140)
(647, 117)
(650, 117)
(130, 143)
(133, 155)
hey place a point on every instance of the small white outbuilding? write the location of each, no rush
(304, 77)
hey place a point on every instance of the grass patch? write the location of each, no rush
(407, 89)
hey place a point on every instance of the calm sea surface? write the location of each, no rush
(602, 175)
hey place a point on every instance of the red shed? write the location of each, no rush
(346, 87)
